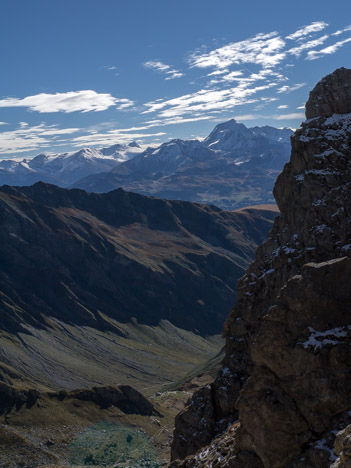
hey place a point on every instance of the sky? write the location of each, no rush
(95, 73)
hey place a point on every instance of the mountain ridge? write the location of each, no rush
(65, 168)
(88, 273)
(233, 167)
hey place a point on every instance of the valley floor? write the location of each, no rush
(164, 363)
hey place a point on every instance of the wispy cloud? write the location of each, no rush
(293, 116)
(301, 33)
(219, 72)
(290, 89)
(72, 101)
(110, 67)
(206, 100)
(265, 52)
(177, 120)
(254, 72)
(316, 54)
(246, 80)
(262, 49)
(113, 136)
(28, 138)
(233, 76)
(244, 117)
(341, 31)
(297, 51)
(251, 71)
(163, 68)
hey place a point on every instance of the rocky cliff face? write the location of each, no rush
(284, 390)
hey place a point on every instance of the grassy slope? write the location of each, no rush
(67, 356)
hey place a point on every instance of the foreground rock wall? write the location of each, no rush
(284, 389)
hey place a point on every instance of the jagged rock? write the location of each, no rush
(286, 372)
(301, 378)
(343, 448)
(332, 95)
(197, 424)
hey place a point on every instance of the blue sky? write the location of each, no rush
(94, 73)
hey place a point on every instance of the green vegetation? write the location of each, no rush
(110, 444)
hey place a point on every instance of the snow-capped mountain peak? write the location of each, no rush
(65, 168)
(281, 135)
(229, 136)
(244, 143)
(229, 144)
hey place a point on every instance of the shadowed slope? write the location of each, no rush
(85, 258)
(92, 283)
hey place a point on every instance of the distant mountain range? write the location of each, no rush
(65, 168)
(234, 166)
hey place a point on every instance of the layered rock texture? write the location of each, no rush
(284, 390)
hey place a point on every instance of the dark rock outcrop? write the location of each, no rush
(11, 397)
(332, 95)
(286, 374)
(124, 397)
